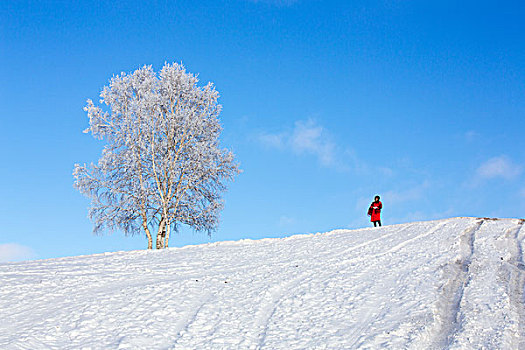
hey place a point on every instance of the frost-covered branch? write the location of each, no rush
(162, 165)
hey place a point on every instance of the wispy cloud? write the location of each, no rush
(10, 252)
(471, 136)
(306, 138)
(498, 167)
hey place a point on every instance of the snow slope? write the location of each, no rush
(447, 284)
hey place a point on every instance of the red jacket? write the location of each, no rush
(375, 208)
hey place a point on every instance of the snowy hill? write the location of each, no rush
(454, 284)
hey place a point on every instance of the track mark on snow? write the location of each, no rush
(189, 316)
(515, 270)
(342, 262)
(269, 305)
(366, 243)
(408, 241)
(446, 324)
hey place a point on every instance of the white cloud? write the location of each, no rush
(498, 167)
(10, 252)
(307, 137)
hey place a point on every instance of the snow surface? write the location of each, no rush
(447, 284)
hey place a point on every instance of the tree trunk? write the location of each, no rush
(148, 234)
(168, 229)
(161, 234)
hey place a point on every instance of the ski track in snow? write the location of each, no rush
(455, 277)
(447, 284)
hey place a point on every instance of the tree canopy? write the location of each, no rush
(162, 164)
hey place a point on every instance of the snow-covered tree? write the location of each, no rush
(162, 164)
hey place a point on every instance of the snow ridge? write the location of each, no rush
(447, 284)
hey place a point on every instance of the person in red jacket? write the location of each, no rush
(375, 211)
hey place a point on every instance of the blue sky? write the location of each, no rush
(325, 104)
